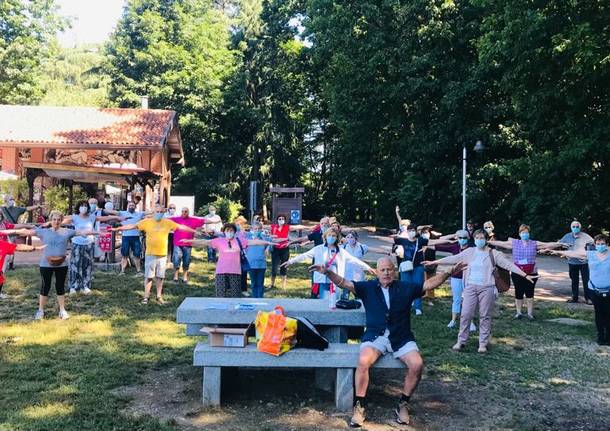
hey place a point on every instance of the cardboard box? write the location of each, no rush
(227, 337)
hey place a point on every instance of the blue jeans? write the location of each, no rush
(416, 276)
(211, 254)
(182, 254)
(257, 282)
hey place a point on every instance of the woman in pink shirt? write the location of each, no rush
(228, 266)
(182, 250)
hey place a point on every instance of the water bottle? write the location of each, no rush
(332, 300)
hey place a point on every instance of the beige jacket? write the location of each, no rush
(468, 255)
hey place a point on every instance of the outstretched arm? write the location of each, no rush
(578, 254)
(434, 282)
(198, 242)
(549, 245)
(33, 207)
(20, 232)
(334, 277)
(25, 247)
(508, 244)
(397, 210)
(186, 228)
(124, 227)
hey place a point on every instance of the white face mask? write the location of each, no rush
(411, 234)
(425, 235)
(489, 229)
(11, 203)
(171, 211)
(212, 213)
(281, 222)
(108, 206)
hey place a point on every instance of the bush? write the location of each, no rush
(57, 198)
(227, 209)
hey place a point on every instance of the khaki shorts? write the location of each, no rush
(154, 266)
(383, 345)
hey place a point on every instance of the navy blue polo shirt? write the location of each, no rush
(316, 237)
(397, 319)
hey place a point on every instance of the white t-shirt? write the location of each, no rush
(386, 296)
(478, 268)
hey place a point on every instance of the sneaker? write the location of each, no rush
(530, 317)
(457, 347)
(121, 273)
(72, 291)
(517, 316)
(402, 413)
(572, 301)
(451, 324)
(418, 312)
(39, 315)
(63, 315)
(482, 349)
(138, 274)
(86, 291)
(358, 416)
(3, 296)
(473, 327)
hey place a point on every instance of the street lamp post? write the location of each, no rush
(478, 147)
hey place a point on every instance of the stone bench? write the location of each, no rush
(341, 357)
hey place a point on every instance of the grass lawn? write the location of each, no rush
(98, 369)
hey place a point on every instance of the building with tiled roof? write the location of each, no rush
(131, 148)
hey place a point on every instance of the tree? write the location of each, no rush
(27, 38)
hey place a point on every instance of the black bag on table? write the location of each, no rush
(308, 336)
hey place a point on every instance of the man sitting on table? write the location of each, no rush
(387, 303)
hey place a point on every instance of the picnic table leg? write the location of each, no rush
(211, 386)
(344, 389)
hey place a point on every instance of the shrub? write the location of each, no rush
(57, 197)
(225, 208)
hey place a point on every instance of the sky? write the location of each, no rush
(92, 20)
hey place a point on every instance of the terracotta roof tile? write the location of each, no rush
(82, 127)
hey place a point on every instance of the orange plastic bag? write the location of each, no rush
(275, 333)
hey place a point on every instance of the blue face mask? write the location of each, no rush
(524, 236)
(462, 241)
(158, 216)
(93, 207)
(601, 248)
(229, 235)
(331, 240)
(575, 229)
(480, 243)
(238, 227)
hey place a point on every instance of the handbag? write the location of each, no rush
(243, 259)
(275, 333)
(56, 260)
(407, 265)
(501, 276)
(348, 304)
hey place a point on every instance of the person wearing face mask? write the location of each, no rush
(228, 268)
(215, 228)
(479, 286)
(470, 228)
(330, 255)
(82, 253)
(182, 250)
(130, 239)
(156, 229)
(524, 256)
(577, 240)
(599, 283)
(489, 228)
(95, 210)
(53, 261)
(256, 259)
(456, 281)
(280, 252)
(410, 263)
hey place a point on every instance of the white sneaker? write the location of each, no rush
(473, 327)
(3, 296)
(451, 324)
(39, 315)
(86, 291)
(418, 312)
(63, 315)
(72, 291)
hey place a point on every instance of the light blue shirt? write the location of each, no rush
(256, 253)
(599, 271)
(132, 218)
(83, 224)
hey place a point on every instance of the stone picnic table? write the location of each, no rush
(333, 367)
